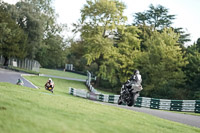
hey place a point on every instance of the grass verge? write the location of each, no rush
(61, 73)
(24, 110)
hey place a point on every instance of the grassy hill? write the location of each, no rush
(30, 110)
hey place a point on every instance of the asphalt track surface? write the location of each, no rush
(12, 77)
(192, 120)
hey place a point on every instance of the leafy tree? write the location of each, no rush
(12, 38)
(162, 65)
(47, 16)
(109, 45)
(128, 50)
(99, 21)
(75, 56)
(37, 19)
(52, 53)
(28, 19)
(192, 70)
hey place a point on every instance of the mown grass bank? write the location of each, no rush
(61, 73)
(69, 75)
(61, 85)
(24, 110)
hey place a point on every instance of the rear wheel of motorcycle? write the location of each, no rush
(120, 101)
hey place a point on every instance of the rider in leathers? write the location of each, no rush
(135, 82)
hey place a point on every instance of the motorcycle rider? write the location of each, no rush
(20, 82)
(135, 82)
(130, 90)
(49, 83)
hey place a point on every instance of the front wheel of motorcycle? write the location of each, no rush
(134, 97)
(119, 100)
(131, 101)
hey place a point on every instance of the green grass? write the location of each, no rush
(70, 75)
(61, 85)
(30, 110)
(61, 73)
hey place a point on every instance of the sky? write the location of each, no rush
(187, 12)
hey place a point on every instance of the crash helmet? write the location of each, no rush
(136, 72)
(50, 80)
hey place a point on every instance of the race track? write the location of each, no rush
(12, 77)
(191, 120)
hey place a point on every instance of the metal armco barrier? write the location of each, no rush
(90, 87)
(152, 103)
(172, 105)
(93, 96)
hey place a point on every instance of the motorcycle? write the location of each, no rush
(20, 83)
(129, 94)
(49, 87)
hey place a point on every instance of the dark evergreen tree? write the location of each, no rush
(158, 18)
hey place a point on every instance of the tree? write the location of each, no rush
(12, 38)
(75, 56)
(162, 66)
(198, 45)
(99, 21)
(28, 19)
(157, 18)
(192, 70)
(37, 19)
(183, 38)
(127, 50)
(52, 53)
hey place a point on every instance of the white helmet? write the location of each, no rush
(136, 72)
(50, 80)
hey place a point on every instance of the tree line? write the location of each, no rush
(29, 30)
(107, 47)
(112, 50)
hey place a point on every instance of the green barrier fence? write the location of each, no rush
(152, 103)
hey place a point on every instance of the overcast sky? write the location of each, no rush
(187, 12)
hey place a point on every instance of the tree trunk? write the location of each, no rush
(98, 81)
(98, 61)
(6, 61)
